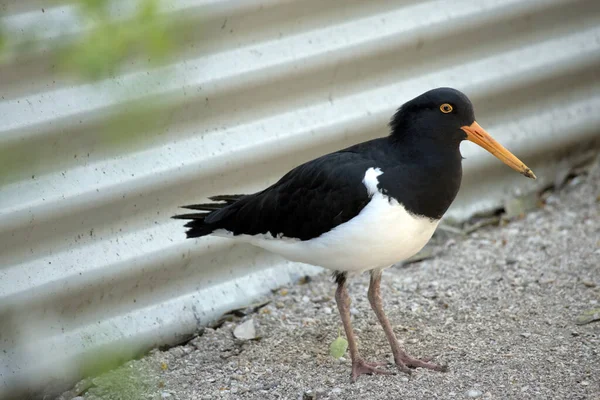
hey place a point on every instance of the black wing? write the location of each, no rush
(308, 201)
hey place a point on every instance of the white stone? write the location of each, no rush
(245, 331)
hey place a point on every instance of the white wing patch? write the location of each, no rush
(370, 180)
(382, 234)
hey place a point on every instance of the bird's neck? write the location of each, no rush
(434, 175)
(428, 153)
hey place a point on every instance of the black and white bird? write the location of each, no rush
(363, 208)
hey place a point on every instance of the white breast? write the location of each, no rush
(382, 234)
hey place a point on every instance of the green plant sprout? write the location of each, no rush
(339, 346)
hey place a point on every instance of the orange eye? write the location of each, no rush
(446, 108)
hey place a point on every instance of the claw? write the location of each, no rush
(404, 362)
(403, 368)
(360, 367)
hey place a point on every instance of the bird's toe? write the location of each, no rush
(406, 362)
(360, 367)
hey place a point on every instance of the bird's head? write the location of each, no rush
(445, 117)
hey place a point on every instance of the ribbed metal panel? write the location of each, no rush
(90, 263)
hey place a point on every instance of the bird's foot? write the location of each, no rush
(360, 367)
(404, 362)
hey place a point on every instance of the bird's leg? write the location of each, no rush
(403, 360)
(359, 366)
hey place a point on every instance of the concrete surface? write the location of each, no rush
(499, 306)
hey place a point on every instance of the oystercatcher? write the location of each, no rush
(363, 208)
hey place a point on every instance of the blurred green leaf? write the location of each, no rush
(147, 10)
(338, 347)
(94, 7)
(2, 41)
(109, 43)
(588, 316)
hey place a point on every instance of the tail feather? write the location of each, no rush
(194, 216)
(197, 226)
(205, 207)
(229, 198)
(191, 224)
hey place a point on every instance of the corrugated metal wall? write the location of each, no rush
(91, 265)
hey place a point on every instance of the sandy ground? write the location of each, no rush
(504, 307)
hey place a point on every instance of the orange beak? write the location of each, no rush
(478, 135)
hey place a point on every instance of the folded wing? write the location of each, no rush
(308, 201)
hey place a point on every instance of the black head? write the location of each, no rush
(440, 119)
(437, 115)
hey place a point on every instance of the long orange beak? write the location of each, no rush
(478, 135)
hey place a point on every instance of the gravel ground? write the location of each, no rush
(499, 306)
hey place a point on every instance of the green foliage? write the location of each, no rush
(2, 41)
(141, 33)
(91, 7)
(338, 347)
(109, 43)
(112, 376)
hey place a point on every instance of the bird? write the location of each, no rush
(362, 208)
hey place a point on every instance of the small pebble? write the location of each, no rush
(336, 390)
(473, 393)
(353, 311)
(305, 299)
(309, 395)
(165, 395)
(269, 386)
(245, 330)
(525, 334)
(177, 351)
(576, 181)
(584, 383)
(327, 310)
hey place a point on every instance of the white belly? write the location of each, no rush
(382, 234)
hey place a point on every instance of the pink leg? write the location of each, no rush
(403, 360)
(359, 366)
